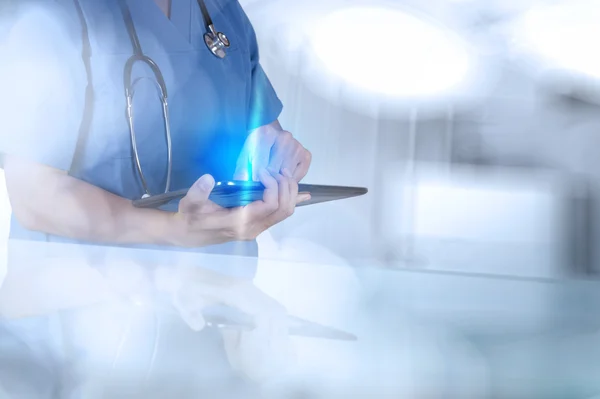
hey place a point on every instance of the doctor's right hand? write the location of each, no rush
(201, 222)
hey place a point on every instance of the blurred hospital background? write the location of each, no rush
(475, 124)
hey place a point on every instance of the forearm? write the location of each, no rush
(91, 214)
(61, 205)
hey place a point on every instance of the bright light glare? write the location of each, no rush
(390, 52)
(565, 35)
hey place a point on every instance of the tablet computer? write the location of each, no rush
(232, 194)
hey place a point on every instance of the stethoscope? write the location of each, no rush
(217, 42)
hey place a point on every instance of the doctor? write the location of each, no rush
(222, 119)
(223, 124)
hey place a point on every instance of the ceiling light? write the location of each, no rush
(564, 36)
(389, 52)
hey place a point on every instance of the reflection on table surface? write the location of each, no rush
(420, 334)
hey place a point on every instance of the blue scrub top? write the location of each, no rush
(213, 103)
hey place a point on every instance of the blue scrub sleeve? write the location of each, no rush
(43, 81)
(264, 107)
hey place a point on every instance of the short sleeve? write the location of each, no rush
(264, 107)
(43, 80)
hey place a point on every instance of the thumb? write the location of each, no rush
(197, 195)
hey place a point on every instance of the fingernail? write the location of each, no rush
(206, 183)
(287, 173)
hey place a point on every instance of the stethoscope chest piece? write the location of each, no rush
(216, 42)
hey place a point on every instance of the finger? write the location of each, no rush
(303, 166)
(259, 159)
(294, 157)
(256, 217)
(284, 193)
(293, 184)
(269, 204)
(271, 193)
(281, 150)
(197, 195)
(295, 198)
(302, 197)
(286, 202)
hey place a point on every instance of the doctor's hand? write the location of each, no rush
(259, 354)
(271, 147)
(201, 222)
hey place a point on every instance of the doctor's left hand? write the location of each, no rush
(270, 147)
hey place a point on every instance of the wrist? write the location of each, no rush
(170, 229)
(175, 229)
(150, 226)
(178, 232)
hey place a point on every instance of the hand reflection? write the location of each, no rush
(260, 353)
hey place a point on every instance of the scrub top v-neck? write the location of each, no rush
(213, 103)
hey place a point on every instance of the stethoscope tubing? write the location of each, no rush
(216, 41)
